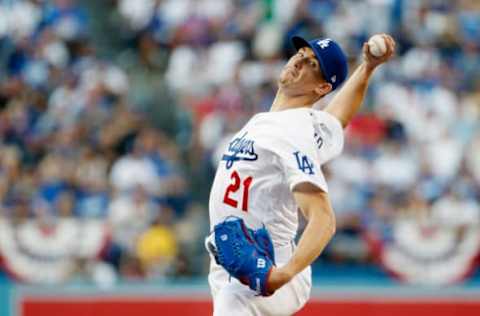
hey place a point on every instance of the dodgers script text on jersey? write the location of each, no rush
(240, 148)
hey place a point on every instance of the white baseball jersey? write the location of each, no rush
(264, 161)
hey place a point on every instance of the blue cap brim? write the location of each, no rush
(299, 42)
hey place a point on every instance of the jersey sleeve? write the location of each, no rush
(299, 167)
(329, 135)
(295, 149)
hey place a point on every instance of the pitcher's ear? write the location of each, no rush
(323, 88)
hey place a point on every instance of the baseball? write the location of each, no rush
(377, 45)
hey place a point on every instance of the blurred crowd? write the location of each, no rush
(113, 114)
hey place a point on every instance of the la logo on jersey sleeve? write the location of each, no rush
(304, 164)
(240, 148)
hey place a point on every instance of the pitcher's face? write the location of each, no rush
(302, 72)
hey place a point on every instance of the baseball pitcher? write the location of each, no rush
(270, 170)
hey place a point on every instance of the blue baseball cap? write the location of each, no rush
(330, 56)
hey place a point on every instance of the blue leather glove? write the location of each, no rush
(246, 254)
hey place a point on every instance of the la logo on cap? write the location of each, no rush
(324, 43)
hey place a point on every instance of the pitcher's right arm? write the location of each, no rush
(348, 100)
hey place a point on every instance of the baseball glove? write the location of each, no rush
(246, 254)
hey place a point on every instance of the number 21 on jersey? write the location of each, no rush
(234, 187)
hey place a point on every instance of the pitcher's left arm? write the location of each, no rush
(315, 206)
